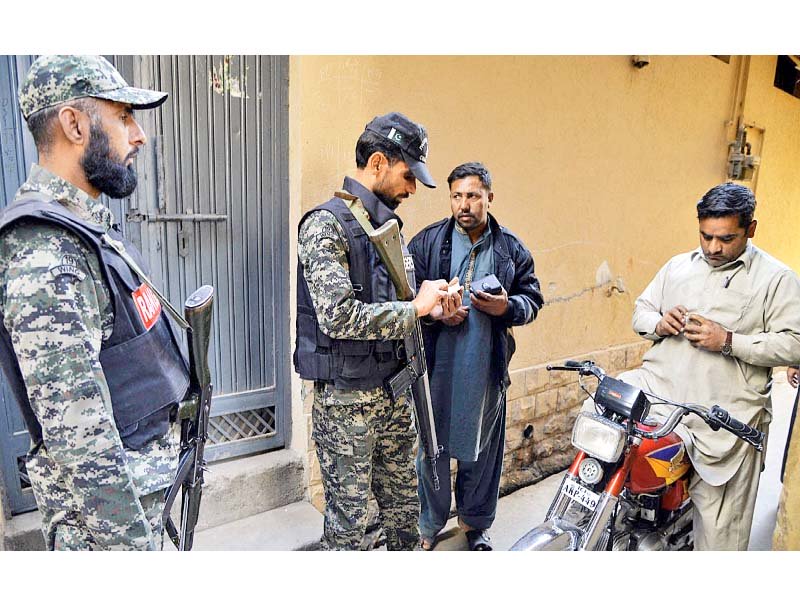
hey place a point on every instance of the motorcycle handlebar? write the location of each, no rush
(719, 417)
(586, 367)
(715, 417)
(559, 368)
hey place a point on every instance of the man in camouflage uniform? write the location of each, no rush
(348, 324)
(93, 491)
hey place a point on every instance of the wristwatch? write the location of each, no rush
(727, 347)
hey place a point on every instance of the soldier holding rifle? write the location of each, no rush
(90, 356)
(350, 327)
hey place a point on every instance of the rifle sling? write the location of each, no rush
(358, 210)
(184, 470)
(172, 532)
(120, 249)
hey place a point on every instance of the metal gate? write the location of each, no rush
(17, 153)
(212, 207)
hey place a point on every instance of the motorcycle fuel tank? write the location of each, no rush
(658, 463)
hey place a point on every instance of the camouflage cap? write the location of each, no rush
(55, 79)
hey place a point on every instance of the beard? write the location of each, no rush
(392, 203)
(104, 169)
(473, 222)
(381, 188)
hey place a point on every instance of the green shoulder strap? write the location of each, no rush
(357, 208)
(119, 248)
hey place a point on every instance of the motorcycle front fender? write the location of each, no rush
(554, 534)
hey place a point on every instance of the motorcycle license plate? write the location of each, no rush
(580, 494)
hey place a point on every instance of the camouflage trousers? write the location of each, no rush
(70, 533)
(365, 441)
(64, 525)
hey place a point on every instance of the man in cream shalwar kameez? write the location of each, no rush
(747, 322)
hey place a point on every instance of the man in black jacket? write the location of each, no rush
(468, 353)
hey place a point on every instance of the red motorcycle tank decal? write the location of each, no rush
(669, 463)
(658, 463)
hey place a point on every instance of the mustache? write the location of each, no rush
(132, 154)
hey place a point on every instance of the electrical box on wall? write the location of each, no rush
(742, 163)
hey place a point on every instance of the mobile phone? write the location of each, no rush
(489, 284)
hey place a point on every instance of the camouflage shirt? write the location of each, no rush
(322, 249)
(58, 311)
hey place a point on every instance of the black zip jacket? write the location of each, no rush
(513, 266)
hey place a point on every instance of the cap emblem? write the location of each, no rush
(424, 149)
(395, 135)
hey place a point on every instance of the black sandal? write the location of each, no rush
(478, 539)
(429, 542)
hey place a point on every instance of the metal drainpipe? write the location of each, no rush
(740, 91)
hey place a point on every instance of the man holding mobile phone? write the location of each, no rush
(722, 317)
(468, 353)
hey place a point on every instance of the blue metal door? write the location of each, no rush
(213, 208)
(17, 153)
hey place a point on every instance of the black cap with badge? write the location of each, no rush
(412, 139)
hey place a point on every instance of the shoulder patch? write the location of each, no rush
(70, 266)
(324, 224)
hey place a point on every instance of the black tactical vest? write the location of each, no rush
(348, 364)
(142, 361)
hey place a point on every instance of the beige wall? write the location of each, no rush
(597, 167)
(777, 186)
(594, 162)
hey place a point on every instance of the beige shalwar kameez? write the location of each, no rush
(757, 298)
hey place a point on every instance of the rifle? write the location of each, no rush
(193, 414)
(414, 374)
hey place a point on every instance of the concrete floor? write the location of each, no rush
(298, 526)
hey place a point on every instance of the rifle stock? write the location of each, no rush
(415, 374)
(193, 414)
(387, 243)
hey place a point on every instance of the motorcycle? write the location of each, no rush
(628, 486)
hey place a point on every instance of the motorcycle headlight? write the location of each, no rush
(598, 437)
